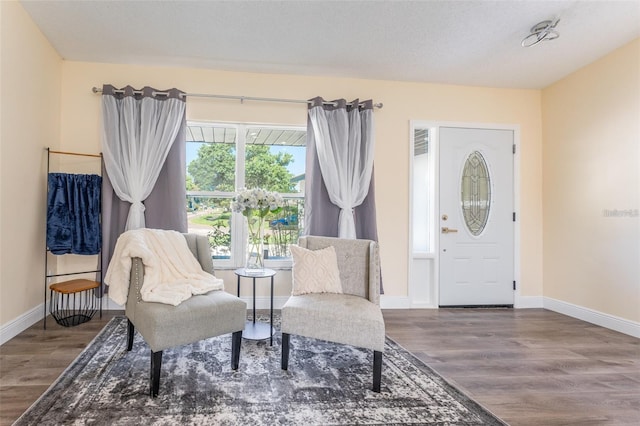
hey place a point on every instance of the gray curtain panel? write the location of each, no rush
(164, 207)
(139, 128)
(321, 215)
(344, 145)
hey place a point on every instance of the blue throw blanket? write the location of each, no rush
(73, 213)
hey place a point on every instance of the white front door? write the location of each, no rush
(476, 232)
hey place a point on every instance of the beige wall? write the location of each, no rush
(402, 102)
(48, 102)
(591, 158)
(30, 121)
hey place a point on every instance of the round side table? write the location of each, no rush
(256, 330)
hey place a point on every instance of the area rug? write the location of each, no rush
(326, 384)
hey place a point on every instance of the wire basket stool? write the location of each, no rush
(73, 302)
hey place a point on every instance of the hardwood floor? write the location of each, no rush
(32, 360)
(529, 367)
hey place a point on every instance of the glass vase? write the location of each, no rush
(255, 247)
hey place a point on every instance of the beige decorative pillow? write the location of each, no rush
(315, 271)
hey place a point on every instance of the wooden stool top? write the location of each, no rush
(74, 286)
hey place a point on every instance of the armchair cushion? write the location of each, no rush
(341, 318)
(197, 318)
(315, 271)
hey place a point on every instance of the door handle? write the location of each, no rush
(446, 230)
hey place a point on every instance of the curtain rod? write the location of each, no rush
(73, 153)
(239, 98)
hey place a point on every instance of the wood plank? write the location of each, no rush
(529, 367)
(33, 360)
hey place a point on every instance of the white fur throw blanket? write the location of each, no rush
(171, 272)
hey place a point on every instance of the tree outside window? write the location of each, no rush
(222, 159)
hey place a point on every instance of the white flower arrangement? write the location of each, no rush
(256, 200)
(255, 204)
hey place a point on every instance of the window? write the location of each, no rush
(421, 194)
(224, 158)
(475, 193)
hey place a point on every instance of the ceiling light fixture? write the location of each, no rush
(544, 30)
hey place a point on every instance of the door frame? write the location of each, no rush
(434, 127)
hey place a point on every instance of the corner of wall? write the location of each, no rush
(30, 120)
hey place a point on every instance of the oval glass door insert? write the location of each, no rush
(475, 193)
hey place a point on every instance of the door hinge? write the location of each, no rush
(514, 216)
(514, 284)
(514, 148)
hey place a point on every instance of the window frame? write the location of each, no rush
(422, 199)
(238, 226)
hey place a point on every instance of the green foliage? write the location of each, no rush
(190, 185)
(219, 237)
(214, 169)
(280, 238)
(283, 233)
(209, 220)
(268, 171)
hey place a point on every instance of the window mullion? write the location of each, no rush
(241, 140)
(240, 230)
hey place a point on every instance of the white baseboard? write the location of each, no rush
(13, 328)
(110, 305)
(394, 302)
(419, 305)
(398, 302)
(612, 322)
(528, 302)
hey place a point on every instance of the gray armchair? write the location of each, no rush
(352, 318)
(200, 317)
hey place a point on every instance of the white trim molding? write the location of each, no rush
(394, 302)
(11, 329)
(110, 305)
(528, 302)
(632, 328)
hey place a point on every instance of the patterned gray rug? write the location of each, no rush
(326, 384)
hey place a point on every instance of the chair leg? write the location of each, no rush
(377, 370)
(284, 363)
(130, 333)
(156, 363)
(236, 340)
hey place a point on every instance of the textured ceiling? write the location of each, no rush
(456, 42)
